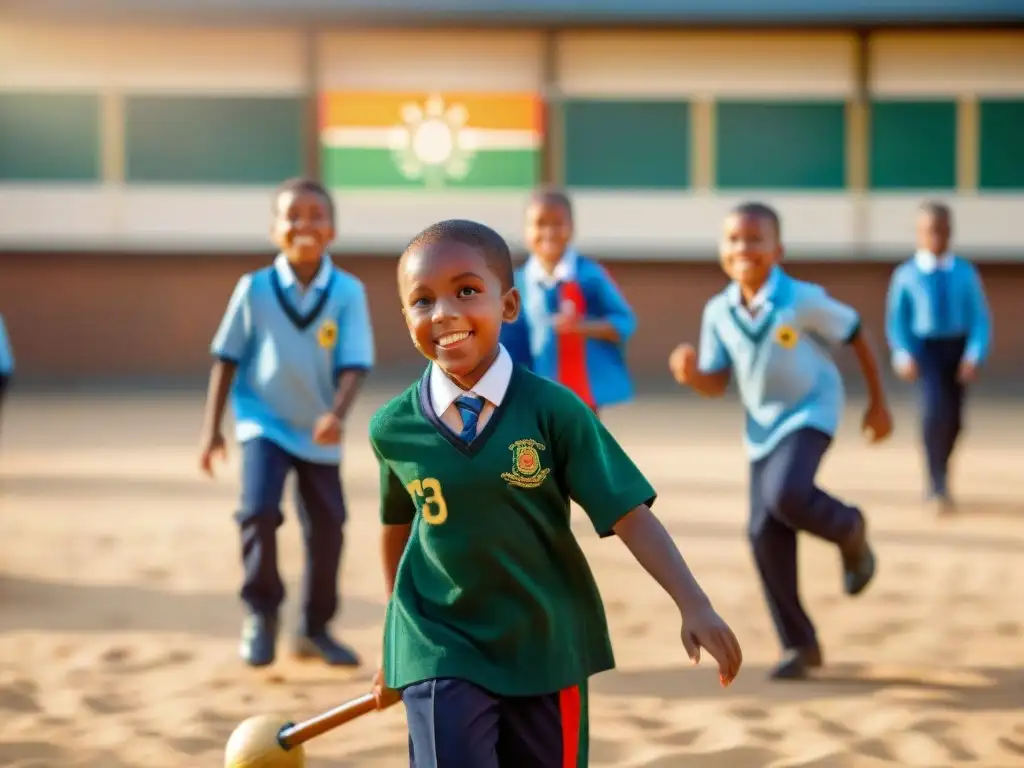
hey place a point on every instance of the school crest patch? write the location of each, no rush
(527, 471)
(327, 334)
(786, 336)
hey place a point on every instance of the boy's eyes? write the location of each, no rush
(463, 293)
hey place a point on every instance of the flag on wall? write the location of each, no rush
(431, 140)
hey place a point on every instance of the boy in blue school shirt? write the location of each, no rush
(939, 329)
(293, 349)
(575, 323)
(772, 332)
(6, 363)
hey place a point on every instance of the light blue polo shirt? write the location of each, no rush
(290, 346)
(779, 356)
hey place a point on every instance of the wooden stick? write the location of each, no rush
(293, 734)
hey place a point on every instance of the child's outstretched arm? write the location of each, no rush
(877, 422)
(708, 372)
(213, 447)
(654, 549)
(616, 322)
(839, 323)
(897, 327)
(228, 347)
(397, 511)
(979, 332)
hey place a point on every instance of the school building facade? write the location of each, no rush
(139, 152)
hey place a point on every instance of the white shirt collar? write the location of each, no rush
(491, 387)
(928, 262)
(565, 269)
(288, 279)
(761, 297)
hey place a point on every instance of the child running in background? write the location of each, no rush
(293, 349)
(770, 331)
(494, 622)
(574, 323)
(6, 364)
(939, 329)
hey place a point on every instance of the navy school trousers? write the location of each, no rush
(784, 500)
(942, 403)
(321, 508)
(457, 724)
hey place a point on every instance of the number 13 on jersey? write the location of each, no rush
(432, 503)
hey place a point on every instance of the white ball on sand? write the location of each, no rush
(254, 744)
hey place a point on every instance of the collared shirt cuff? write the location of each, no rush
(900, 358)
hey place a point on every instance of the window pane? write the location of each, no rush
(780, 145)
(214, 139)
(627, 144)
(49, 137)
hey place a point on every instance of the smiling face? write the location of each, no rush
(454, 307)
(548, 230)
(749, 249)
(303, 227)
(933, 232)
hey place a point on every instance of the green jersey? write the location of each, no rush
(493, 587)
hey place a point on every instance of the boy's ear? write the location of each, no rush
(510, 305)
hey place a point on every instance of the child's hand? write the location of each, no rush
(327, 430)
(683, 363)
(213, 448)
(906, 369)
(877, 422)
(565, 322)
(704, 628)
(968, 372)
(384, 696)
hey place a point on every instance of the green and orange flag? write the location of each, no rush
(431, 140)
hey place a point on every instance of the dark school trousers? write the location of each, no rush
(456, 724)
(321, 507)
(942, 404)
(784, 500)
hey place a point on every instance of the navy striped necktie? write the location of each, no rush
(469, 407)
(940, 280)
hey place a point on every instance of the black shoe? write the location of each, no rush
(858, 561)
(941, 504)
(796, 663)
(324, 647)
(259, 640)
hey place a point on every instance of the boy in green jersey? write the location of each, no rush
(494, 621)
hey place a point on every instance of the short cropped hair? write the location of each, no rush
(548, 195)
(938, 210)
(489, 243)
(760, 211)
(301, 185)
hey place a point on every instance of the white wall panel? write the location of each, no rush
(948, 64)
(706, 64)
(431, 60)
(193, 60)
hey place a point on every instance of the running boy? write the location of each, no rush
(939, 329)
(293, 348)
(494, 622)
(770, 331)
(6, 363)
(574, 323)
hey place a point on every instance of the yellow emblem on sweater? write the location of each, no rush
(526, 469)
(786, 336)
(327, 335)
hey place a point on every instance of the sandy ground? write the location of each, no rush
(119, 621)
